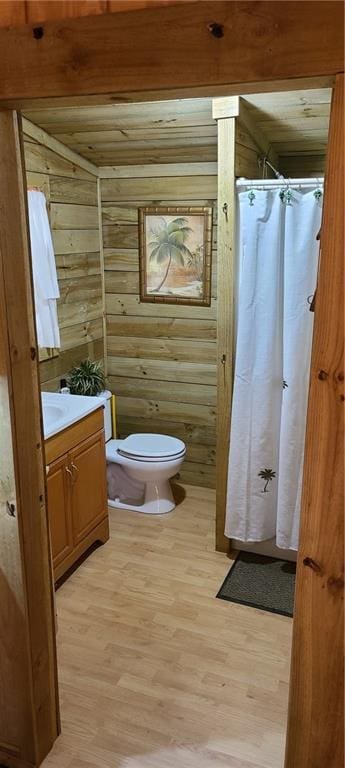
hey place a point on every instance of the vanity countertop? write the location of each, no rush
(62, 410)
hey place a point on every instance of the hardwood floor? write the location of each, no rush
(154, 671)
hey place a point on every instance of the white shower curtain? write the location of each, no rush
(278, 258)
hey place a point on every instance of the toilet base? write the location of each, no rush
(158, 500)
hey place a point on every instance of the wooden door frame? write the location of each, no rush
(315, 722)
(32, 564)
(95, 60)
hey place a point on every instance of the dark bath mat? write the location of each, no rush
(261, 582)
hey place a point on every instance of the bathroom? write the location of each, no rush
(132, 613)
(160, 360)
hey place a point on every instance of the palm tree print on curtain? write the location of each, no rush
(268, 475)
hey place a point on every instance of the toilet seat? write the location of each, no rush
(146, 447)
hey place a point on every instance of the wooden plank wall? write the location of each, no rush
(71, 193)
(162, 359)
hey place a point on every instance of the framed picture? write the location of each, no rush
(175, 252)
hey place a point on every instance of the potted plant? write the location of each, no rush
(87, 378)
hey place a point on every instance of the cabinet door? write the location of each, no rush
(59, 481)
(89, 496)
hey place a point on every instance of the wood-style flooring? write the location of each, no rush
(154, 671)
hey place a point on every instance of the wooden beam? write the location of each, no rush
(157, 170)
(28, 630)
(315, 734)
(36, 11)
(202, 43)
(175, 92)
(226, 106)
(40, 135)
(226, 223)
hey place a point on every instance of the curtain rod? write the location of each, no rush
(264, 183)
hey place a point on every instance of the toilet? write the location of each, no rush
(141, 464)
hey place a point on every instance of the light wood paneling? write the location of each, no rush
(76, 312)
(41, 159)
(71, 194)
(75, 240)
(161, 370)
(316, 710)
(122, 117)
(64, 216)
(72, 265)
(176, 350)
(161, 359)
(126, 304)
(80, 192)
(161, 327)
(177, 134)
(74, 335)
(175, 391)
(171, 132)
(35, 134)
(167, 410)
(171, 188)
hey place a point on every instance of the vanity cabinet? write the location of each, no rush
(59, 508)
(76, 490)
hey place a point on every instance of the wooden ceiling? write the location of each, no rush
(125, 134)
(294, 122)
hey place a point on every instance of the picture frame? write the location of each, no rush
(175, 254)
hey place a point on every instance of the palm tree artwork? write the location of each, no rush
(268, 475)
(175, 251)
(175, 254)
(168, 244)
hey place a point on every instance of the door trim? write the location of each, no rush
(34, 568)
(82, 59)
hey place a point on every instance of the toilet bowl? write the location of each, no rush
(145, 463)
(152, 460)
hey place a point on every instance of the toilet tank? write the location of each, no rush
(106, 397)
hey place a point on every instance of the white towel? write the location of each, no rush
(46, 288)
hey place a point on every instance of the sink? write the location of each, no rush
(52, 414)
(60, 411)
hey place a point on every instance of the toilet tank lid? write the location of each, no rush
(152, 445)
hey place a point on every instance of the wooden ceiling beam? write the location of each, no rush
(202, 46)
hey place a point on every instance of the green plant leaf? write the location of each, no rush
(87, 378)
